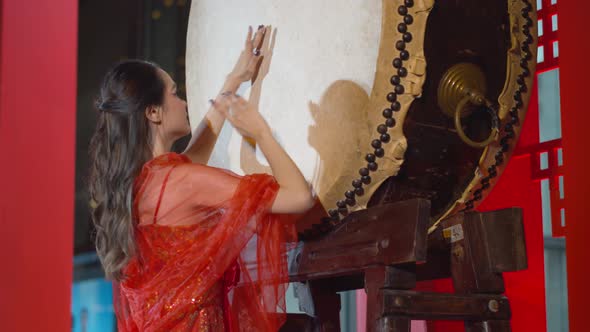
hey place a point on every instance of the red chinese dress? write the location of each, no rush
(198, 231)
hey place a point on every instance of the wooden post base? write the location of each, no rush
(480, 246)
(386, 250)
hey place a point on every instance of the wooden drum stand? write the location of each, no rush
(386, 249)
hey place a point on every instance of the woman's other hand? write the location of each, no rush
(243, 116)
(295, 195)
(250, 57)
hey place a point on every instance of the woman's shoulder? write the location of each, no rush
(169, 158)
(204, 169)
(179, 169)
(158, 164)
(182, 161)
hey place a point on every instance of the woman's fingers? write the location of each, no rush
(221, 103)
(252, 43)
(238, 101)
(259, 37)
(230, 104)
(251, 67)
(248, 44)
(242, 116)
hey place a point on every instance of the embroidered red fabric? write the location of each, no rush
(210, 256)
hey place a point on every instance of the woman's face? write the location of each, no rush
(175, 113)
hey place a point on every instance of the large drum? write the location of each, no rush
(376, 101)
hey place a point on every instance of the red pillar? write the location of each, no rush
(574, 74)
(38, 51)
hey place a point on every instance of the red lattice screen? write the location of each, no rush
(549, 59)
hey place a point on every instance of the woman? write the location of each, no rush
(174, 234)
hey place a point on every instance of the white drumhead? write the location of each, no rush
(320, 45)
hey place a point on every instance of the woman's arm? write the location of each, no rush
(203, 138)
(205, 135)
(295, 194)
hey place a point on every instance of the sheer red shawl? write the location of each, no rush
(198, 227)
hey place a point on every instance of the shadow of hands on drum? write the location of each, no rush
(341, 127)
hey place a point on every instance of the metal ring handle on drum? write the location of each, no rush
(495, 123)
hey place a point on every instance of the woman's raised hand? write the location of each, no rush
(243, 116)
(250, 56)
(294, 194)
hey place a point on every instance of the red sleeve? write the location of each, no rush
(188, 193)
(182, 263)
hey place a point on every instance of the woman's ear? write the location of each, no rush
(154, 114)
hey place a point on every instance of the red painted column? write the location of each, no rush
(574, 74)
(38, 51)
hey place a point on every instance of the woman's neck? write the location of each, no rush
(160, 148)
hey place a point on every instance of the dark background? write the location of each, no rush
(110, 31)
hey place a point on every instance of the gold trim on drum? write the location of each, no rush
(402, 39)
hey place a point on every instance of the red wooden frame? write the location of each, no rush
(38, 44)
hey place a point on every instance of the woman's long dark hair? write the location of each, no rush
(120, 145)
